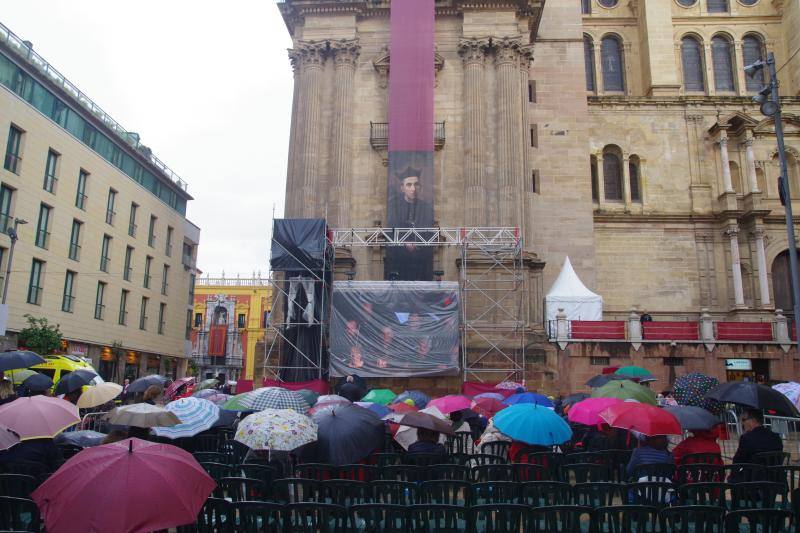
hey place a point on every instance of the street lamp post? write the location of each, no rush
(770, 102)
(12, 233)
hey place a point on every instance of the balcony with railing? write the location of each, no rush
(49, 184)
(99, 311)
(12, 162)
(68, 303)
(74, 251)
(104, 262)
(188, 261)
(110, 217)
(43, 239)
(80, 201)
(379, 135)
(132, 229)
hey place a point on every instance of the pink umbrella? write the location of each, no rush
(173, 387)
(588, 411)
(450, 403)
(7, 438)
(126, 487)
(38, 417)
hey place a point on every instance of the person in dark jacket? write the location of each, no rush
(40, 451)
(756, 438)
(427, 442)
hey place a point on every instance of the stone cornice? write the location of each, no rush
(680, 101)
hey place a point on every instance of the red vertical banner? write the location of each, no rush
(411, 179)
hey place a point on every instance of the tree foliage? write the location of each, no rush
(39, 336)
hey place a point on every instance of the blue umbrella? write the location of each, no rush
(195, 414)
(532, 424)
(378, 409)
(419, 398)
(529, 397)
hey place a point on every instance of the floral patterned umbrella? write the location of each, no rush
(512, 385)
(692, 388)
(276, 430)
(791, 390)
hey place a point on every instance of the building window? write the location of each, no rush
(12, 160)
(673, 361)
(147, 263)
(75, 240)
(50, 178)
(188, 331)
(722, 57)
(611, 53)
(198, 320)
(612, 176)
(35, 283)
(534, 136)
(112, 198)
(6, 220)
(105, 253)
(162, 312)
(43, 226)
(123, 308)
(164, 280)
(68, 300)
(168, 247)
(717, 6)
(132, 220)
(588, 63)
(586, 7)
(692, 61)
(532, 91)
(192, 280)
(241, 321)
(599, 361)
(80, 195)
(127, 272)
(752, 51)
(143, 313)
(633, 173)
(99, 305)
(151, 232)
(265, 319)
(593, 170)
(535, 185)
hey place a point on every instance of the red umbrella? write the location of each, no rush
(487, 407)
(173, 387)
(402, 408)
(641, 417)
(128, 486)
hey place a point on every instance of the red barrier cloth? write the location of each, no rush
(744, 331)
(217, 338)
(473, 388)
(597, 329)
(244, 385)
(317, 385)
(671, 331)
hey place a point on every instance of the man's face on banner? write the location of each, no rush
(411, 188)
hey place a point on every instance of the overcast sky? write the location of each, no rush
(208, 87)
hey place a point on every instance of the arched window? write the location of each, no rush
(794, 174)
(752, 51)
(611, 52)
(717, 6)
(692, 60)
(722, 56)
(781, 283)
(595, 189)
(634, 175)
(586, 7)
(588, 61)
(736, 177)
(612, 174)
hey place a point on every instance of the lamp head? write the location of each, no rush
(753, 68)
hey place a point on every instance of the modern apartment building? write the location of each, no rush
(104, 247)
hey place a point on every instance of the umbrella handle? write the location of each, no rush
(130, 446)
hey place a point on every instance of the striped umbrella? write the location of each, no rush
(267, 398)
(196, 415)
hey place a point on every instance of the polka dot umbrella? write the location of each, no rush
(692, 388)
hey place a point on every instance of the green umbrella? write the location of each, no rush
(381, 396)
(234, 403)
(207, 384)
(634, 371)
(625, 390)
(308, 395)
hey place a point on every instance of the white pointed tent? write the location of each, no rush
(570, 294)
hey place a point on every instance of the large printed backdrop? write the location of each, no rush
(401, 329)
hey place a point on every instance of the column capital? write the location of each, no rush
(732, 232)
(506, 50)
(473, 51)
(722, 142)
(748, 142)
(758, 233)
(309, 53)
(345, 52)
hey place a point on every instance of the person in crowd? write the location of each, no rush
(701, 441)
(518, 447)
(40, 451)
(427, 442)
(756, 438)
(6, 391)
(153, 394)
(72, 397)
(115, 435)
(351, 390)
(491, 434)
(124, 394)
(653, 450)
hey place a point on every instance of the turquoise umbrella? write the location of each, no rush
(532, 424)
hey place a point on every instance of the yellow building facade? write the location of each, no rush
(228, 328)
(104, 247)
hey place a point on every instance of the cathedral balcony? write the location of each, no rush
(379, 135)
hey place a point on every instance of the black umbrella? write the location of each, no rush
(602, 379)
(574, 398)
(752, 394)
(346, 434)
(226, 419)
(19, 359)
(37, 383)
(141, 384)
(83, 438)
(692, 417)
(425, 421)
(74, 381)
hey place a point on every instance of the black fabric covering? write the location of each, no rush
(298, 243)
(302, 341)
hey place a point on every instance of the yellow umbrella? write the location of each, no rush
(99, 394)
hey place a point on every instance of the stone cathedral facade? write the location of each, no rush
(620, 133)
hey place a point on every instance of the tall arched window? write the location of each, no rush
(612, 174)
(781, 283)
(593, 169)
(588, 61)
(722, 56)
(736, 177)
(634, 175)
(717, 6)
(613, 76)
(692, 60)
(586, 7)
(752, 51)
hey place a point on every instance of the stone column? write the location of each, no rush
(312, 57)
(525, 175)
(601, 184)
(751, 164)
(736, 267)
(761, 258)
(473, 54)
(626, 181)
(291, 165)
(738, 65)
(726, 165)
(508, 131)
(345, 55)
(598, 67)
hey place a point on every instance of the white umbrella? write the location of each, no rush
(142, 415)
(99, 394)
